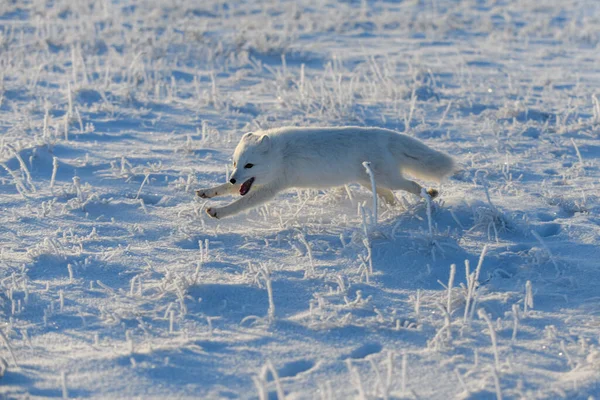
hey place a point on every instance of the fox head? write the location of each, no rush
(253, 162)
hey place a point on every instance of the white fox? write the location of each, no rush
(267, 162)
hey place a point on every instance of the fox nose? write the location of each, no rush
(232, 181)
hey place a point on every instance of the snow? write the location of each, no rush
(116, 284)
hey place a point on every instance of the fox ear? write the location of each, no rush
(265, 142)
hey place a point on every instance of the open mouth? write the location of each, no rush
(245, 188)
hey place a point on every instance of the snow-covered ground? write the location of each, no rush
(116, 284)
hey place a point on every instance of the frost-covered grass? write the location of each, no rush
(115, 283)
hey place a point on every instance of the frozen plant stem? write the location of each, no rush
(515, 312)
(355, 376)
(473, 282)
(77, 185)
(137, 196)
(143, 206)
(427, 198)
(210, 326)
(578, 153)
(462, 382)
(528, 298)
(367, 166)
(483, 315)
(129, 339)
(54, 171)
(363, 214)
(266, 274)
(73, 65)
(45, 133)
(9, 347)
(17, 180)
(450, 283)
(390, 373)
(197, 272)
(596, 108)
(171, 321)
(468, 299)
(206, 245)
(447, 327)
(63, 383)
(132, 285)
(70, 100)
(79, 120)
(563, 347)
(23, 167)
(368, 246)
(413, 103)
(445, 114)
(404, 372)
(418, 305)
(310, 272)
(66, 125)
(539, 238)
(261, 387)
(497, 384)
(486, 189)
(278, 387)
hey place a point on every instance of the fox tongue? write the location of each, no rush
(246, 186)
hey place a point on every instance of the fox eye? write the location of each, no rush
(234, 164)
(249, 165)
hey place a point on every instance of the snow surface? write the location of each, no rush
(116, 284)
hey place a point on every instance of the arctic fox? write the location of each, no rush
(267, 162)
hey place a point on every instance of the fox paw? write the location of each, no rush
(213, 212)
(205, 193)
(433, 193)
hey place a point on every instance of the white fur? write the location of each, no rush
(324, 157)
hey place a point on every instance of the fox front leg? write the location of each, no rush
(251, 200)
(226, 188)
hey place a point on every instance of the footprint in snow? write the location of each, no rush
(364, 351)
(548, 229)
(294, 368)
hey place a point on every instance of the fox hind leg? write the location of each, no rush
(385, 193)
(401, 183)
(398, 182)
